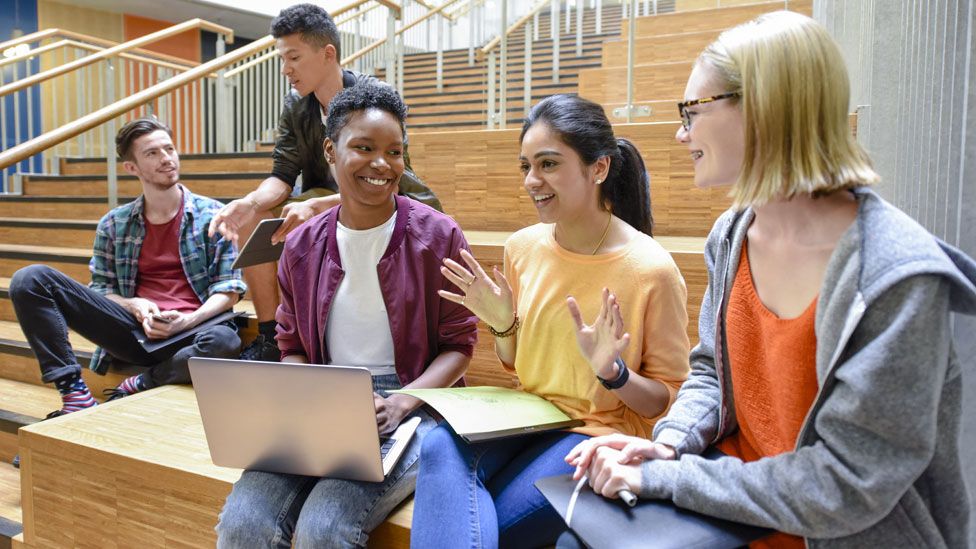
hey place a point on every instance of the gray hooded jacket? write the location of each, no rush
(876, 462)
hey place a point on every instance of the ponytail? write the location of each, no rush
(627, 188)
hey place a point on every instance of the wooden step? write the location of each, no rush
(237, 162)
(73, 233)
(207, 184)
(516, 68)
(71, 261)
(710, 19)
(663, 48)
(428, 90)
(540, 89)
(657, 81)
(64, 207)
(21, 404)
(10, 514)
(147, 491)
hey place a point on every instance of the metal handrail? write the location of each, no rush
(54, 137)
(360, 13)
(81, 45)
(115, 50)
(514, 27)
(463, 10)
(71, 35)
(380, 42)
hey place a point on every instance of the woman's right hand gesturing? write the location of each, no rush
(490, 301)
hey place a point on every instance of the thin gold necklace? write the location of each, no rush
(606, 231)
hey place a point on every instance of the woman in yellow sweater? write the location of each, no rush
(592, 256)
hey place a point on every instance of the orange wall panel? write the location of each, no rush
(185, 45)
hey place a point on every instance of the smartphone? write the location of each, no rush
(161, 318)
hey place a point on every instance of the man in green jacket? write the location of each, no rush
(308, 43)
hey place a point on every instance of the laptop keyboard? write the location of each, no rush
(385, 445)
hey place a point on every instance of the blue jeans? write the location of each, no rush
(268, 509)
(482, 495)
(48, 302)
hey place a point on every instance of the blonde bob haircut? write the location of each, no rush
(794, 99)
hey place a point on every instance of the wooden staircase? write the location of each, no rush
(462, 104)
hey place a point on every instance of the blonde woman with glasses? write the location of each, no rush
(825, 370)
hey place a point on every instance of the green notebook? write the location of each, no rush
(486, 413)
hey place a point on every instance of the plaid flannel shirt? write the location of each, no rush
(118, 242)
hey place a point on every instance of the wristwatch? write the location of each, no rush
(623, 373)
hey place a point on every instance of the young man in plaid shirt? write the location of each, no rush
(154, 271)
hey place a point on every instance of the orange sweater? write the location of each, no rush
(774, 380)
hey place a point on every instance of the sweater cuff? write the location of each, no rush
(672, 437)
(658, 478)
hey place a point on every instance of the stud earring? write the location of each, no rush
(598, 181)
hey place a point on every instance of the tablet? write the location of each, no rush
(258, 249)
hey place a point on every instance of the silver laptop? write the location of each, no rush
(301, 419)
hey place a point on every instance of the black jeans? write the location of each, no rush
(48, 302)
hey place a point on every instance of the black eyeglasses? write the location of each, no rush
(683, 106)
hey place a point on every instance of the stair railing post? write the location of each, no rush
(110, 160)
(579, 28)
(554, 19)
(630, 60)
(503, 69)
(3, 136)
(554, 25)
(491, 90)
(401, 48)
(391, 75)
(358, 38)
(527, 87)
(440, 53)
(471, 36)
(224, 107)
(599, 16)
(568, 17)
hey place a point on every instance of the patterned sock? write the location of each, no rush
(132, 385)
(268, 329)
(74, 393)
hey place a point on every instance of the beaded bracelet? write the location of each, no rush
(511, 329)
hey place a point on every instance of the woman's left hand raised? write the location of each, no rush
(603, 341)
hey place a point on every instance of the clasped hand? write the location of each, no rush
(613, 462)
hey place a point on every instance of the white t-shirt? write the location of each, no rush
(358, 330)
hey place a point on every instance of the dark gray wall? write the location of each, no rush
(913, 82)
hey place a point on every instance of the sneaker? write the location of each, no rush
(113, 393)
(130, 386)
(263, 349)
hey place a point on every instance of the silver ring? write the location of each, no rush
(462, 299)
(470, 282)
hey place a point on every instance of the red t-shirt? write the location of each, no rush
(161, 278)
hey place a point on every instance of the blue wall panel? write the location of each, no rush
(19, 14)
